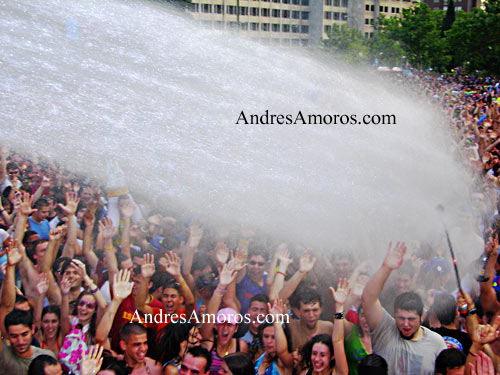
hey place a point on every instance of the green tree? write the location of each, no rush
(347, 44)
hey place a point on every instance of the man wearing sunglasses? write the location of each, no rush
(9, 172)
(254, 280)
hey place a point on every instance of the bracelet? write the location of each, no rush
(183, 283)
(339, 315)
(109, 248)
(220, 291)
(470, 312)
(281, 273)
(94, 291)
(64, 294)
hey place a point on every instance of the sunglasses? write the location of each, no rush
(12, 172)
(253, 263)
(90, 305)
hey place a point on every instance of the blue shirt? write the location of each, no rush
(246, 289)
(42, 228)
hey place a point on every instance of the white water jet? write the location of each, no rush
(83, 82)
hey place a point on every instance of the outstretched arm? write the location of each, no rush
(306, 264)
(339, 298)
(278, 310)
(489, 300)
(393, 260)
(284, 260)
(70, 210)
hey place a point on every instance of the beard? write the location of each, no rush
(408, 337)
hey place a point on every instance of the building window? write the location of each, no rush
(372, 8)
(285, 28)
(295, 29)
(218, 9)
(372, 21)
(207, 8)
(304, 29)
(265, 27)
(336, 3)
(328, 2)
(231, 9)
(345, 3)
(305, 15)
(276, 13)
(276, 1)
(285, 14)
(276, 27)
(328, 15)
(397, 10)
(244, 26)
(367, 21)
(195, 7)
(254, 12)
(295, 2)
(285, 1)
(344, 16)
(371, 35)
(381, 8)
(327, 28)
(243, 11)
(254, 26)
(264, 12)
(367, 7)
(336, 16)
(295, 14)
(305, 2)
(386, 9)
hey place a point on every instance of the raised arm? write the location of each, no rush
(393, 260)
(106, 232)
(278, 311)
(65, 313)
(284, 260)
(339, 298)
(127, 209)
(8, 296)
(226, 276)
(306, 264)
(4, 153)
(489, 300)
(42, 286)
(122, 287)
(147, 270)
(173, 267)
(88, 252)
(70, 210)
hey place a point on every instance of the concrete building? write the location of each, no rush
(293, 22)
(466, 5)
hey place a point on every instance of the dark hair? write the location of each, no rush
(308, 296)
(90, 335)
(259, 298)
(448, 359)
(27, 235)
(132, 328)
(409, 301)
(445, 308)
(256, 249)
(53, 309)
(206, 280)
(159, 279)
(198, 351)
(21, 299)
(37, 366)
(16, 317)
(110, 363)
(42, 202)
(306, 350)
(169, 343)
(373, 364)
(11, 165)
(239, 364)
(360, 330)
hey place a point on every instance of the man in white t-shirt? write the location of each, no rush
(408, 348)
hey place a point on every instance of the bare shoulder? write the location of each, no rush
(155, 367)
(325, 326)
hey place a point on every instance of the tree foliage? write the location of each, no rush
(428, 39)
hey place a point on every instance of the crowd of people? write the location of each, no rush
(94, 282)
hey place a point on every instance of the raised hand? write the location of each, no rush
(148, 266)
(221, 252)
(278, 309)
(122, 287)
(283, 255)
(71, 204)
(486, 333)
(54, 234)
(395, 255)
(25, 204)
(241, 255)
(45, 183)
(492, 246)
(306, 262)
(342, 292)
(42, 284)
(15, 252)
(195, 233)
(106, 228)
(127, 208)
(173, 265)
(79, 267)
(227, 274)
(65, 285)
(92, 362)
(483, 366)
(235, 263)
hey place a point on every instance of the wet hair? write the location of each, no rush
(373, 364)
(206, 281)
(16, 317)
(409, 301)
(449, 359)
(259, 298)
(90, 335)
(132, 328)
(170, 339)
(159, 279)
(257, 250)
(445, 308)
(37, 366)
(198, 351)
(12, 165)
(239, 364)
(21, 299)
(27, 235)
(306, 350)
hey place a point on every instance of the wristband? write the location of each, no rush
(109, 248)
(339, 315)
(220, 290)
(183, 283)
(64, 294)
(280, 273)
(471, 312)
(94, 291)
